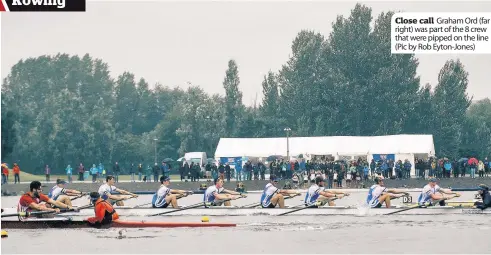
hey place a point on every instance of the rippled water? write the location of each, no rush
(441, 234)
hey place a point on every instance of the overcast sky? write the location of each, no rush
(178, 42)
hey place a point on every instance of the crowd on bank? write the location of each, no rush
(349, 173)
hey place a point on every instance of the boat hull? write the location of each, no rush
(61, 222)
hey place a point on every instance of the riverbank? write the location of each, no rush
(17, 189)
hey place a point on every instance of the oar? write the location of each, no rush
(177, 197)
(412, 207)
(27, 214)
(190, 207)
(303, 208)
(466, 189)
(79, 196)
(90, 205)
(258, 204)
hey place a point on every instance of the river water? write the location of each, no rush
(442, 234)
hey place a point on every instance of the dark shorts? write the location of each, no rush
(271, 205)
(313, 206)
(379, 205)
(163, 206)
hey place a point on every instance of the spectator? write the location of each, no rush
(16, 171)
(5, 173)
(81, 171)
(116, 171)
(94, 171)
(221, 171)
(132, 172)
(480, 169)
(227, 171)
(148, 174)
(140, 172)
(214, 171)
(69, 172)
(47, 172)
(100, 170)
(156, 169)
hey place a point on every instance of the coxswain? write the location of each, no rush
(61, 194)
(32, 200)
(104, 211)
(378, 194)
(166, 196)
(273, 196)
(313, 199)
(106, 190)
(486, 198)
(432, 192)
(214, 195)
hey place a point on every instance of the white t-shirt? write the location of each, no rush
(268, 193)
(55, 192)
(211, 192)
(312, 194)
(374, 194)
(159, 197)
(426, 193)
(106, 190)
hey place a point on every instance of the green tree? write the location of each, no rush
(233, 98)
(450, 103)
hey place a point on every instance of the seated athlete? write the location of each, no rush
(61, 194)
(432, 193)
(32, 201)
(166, 196)
(104, 211)
(486, 198)
(105, 191)
(215, 195)
(273, 196)
(317, 189)
(379, 194)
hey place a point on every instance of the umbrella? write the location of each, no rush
(472, 160)
(274, 157)
(181, 159)
(463, 159)
(167, 160)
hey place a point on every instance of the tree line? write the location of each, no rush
(67, 109)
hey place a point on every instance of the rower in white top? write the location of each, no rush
(106, 190)
(273, 196)
(313, 197)
(61, 194)
(166, 196)
(432, 193)
(379, 194)
(214, 195)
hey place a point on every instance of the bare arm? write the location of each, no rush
(41, 208)
(124, 192)
(288, 192)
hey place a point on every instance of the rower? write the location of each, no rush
(214, 194)
(61, 194)
(430, 194)
(31, 201)
(104, 211)
(486, 198)
(105, 191)
(379, 194)
(273, 196)
(166, 196)
(317, 189)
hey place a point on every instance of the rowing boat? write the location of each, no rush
(63, 222)
(326, 210)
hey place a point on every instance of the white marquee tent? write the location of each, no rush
(403, 146)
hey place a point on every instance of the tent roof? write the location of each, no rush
(325, 145)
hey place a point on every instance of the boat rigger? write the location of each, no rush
(238, 211)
